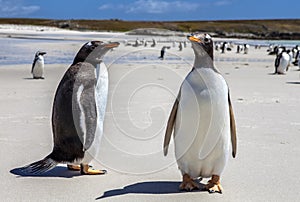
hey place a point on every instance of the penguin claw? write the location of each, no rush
(215, 189)
(188, 184)
(214, 185)
(75, 167)
(85, 169)
(94, 172)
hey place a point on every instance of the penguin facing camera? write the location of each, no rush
(37, 69)
(282, 62)
(202, 120)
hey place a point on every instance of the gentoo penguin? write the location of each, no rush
(180, 46)
(238, 48)
(153, 43)
(224, 47)
(203, 121)
(78, 112)
(246, 48)
(37, 69)
(282, 62)
(162, 52)
(290, 53)
(297, 57)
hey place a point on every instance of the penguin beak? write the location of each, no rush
(43, 53)
(192, 38)
(112, 45)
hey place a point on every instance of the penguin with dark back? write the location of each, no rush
(78, 112)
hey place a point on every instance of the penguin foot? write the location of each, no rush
(188, 183)
(73, 167)
(214, 185)
(85, 169)
(38, 77)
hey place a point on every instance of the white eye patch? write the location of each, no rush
(207, 36)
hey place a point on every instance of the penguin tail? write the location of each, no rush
(40, 166)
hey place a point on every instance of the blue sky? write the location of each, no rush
(163, 10)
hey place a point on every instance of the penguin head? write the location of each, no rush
(202, 44)
(93, 51)
(38, 53)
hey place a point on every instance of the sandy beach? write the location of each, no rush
(141, 93)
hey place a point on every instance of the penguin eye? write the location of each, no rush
(206, 40)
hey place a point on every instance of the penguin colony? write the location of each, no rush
(284, 58)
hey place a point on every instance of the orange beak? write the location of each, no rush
(192, 38)
(112, 45)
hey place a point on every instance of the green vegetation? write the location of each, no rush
(259, 29)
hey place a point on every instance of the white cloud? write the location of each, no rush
(105, 7)
(222, 3)
(153, 6)
(15, 8)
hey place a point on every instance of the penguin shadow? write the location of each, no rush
(293, 82)
(276, 74)
(153, 187)
(58, 171)
(30, 78)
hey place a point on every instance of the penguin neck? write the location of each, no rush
(98, 69)
(101, 71)
(204, 61)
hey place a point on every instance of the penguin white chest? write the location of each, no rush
(101, 91)
(202, 127)
(284, 62)
(38, 70)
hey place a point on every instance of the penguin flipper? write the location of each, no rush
(33, 63)
(84, 107)
(40, 166)
(277, 61)
(170, 125)
(232, 129)
(87, 113)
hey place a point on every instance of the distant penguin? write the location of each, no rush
(184, 44)
(153, 43)
(202, 120)
(180, 46)
(162, 52)
(282, 63)
(297, 57)
(224, 47)
(78, 112)
(273, 50)
(37, 69)
(290, 53)
(217, 46)
(239, 48)
(280, 50)
(137, 43)
(246, 48)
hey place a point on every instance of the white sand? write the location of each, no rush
(141, 94)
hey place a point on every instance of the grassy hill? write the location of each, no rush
(258, 29)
